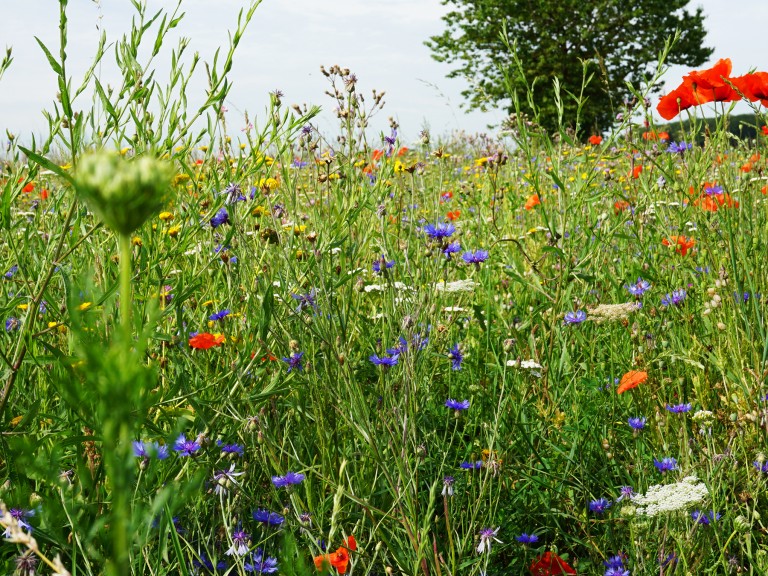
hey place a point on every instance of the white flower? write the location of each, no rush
(456, 286)
(663, 498)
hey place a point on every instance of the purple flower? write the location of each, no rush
(19, 515)
(637, 423)
(456, 357)
(599, 506)
(385, 361)
(219, 315)
(12, 324)
(675, 299)
(679, 148)
(678, 408)
(614, 562)
(713, 190)
(451, 248)
(223, 480)
(448, 482)
(440, 230)
(146, 450)
(294, 362)
(261, 564)
(221, 217)
(625, 492)
(471, 465)
(705, 518)
(240, 542)
(267, 517)
(290, 479)
(576, 317)
(619, 571)
(234, 193)
(527, 538)
(487, 536)
(665, 464)
(185, 447)
(382, 264)
(235, 449)
(308, 300)
(11, 271)
(761, 466)
(638, 288)
(477, 257)
(457, 404)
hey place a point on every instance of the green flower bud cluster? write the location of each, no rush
(123, 192)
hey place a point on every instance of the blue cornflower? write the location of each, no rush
(12, 324)
(451, 248)
(676, 298)
(527, 538)
(383, 360)
(448, 482)
(637, 423)
(219, 315)
(146, 450)
(236, 449)
(761, 466)
(261, 564)
(221, 217)
(639, 288)
(290, 479)
(308, 300)
(234, 193)
(713, 190)
(678, 408)
(625, 492)
(294, 362)
(705, 518)
(11, 271)
(440, 230)
(268, 518)
(471, 465)
(599, 506)
(19, 515)
(392, 138)
(382, 264)
(576, 317)
(477, 257)
(185, 447)
(665, 464)
(204, 562)
(400, 348)
(456, 357)
(457, 404)
(298, 163)
(679, 148)
(618, 571)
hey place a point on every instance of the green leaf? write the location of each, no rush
(51, 60)
(47, 164)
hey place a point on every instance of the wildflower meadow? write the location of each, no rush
(238, 344)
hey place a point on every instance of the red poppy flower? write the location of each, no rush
(683, 244)
(595, 140)
(402, 151)
(377, 154)
(753, 86)
(206, 340)
(630, 380)
(713, 84)
(453, 215)
(619, 206)
(765, 130)
(681, 98)
(549, 564)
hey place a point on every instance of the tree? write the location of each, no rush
(618, 41)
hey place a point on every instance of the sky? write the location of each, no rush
(284, 46)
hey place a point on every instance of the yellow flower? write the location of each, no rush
(268, 183)
(165, 216)
(203, 148)
(259, 211)
(124, 151)
(180, 178)
(15, 421)
(173, 231)
(84, 306)
(22, 306)
(136, 241)
(481, 161)
(209, 303)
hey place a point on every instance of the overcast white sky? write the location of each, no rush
(288, 40)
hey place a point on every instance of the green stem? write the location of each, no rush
(126, 273)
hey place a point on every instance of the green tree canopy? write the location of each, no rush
(618, 39)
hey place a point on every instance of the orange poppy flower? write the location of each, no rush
(402, 151)
(619, 206)
(532, 202)
(453, 215)
(765, 130)
(377, 154)
(636, 172)
(338, 559)
(206, 340)
(595, 140)
(715, 202)
(631, 380)
(683, 244)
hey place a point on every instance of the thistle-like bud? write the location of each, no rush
(123, 192)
